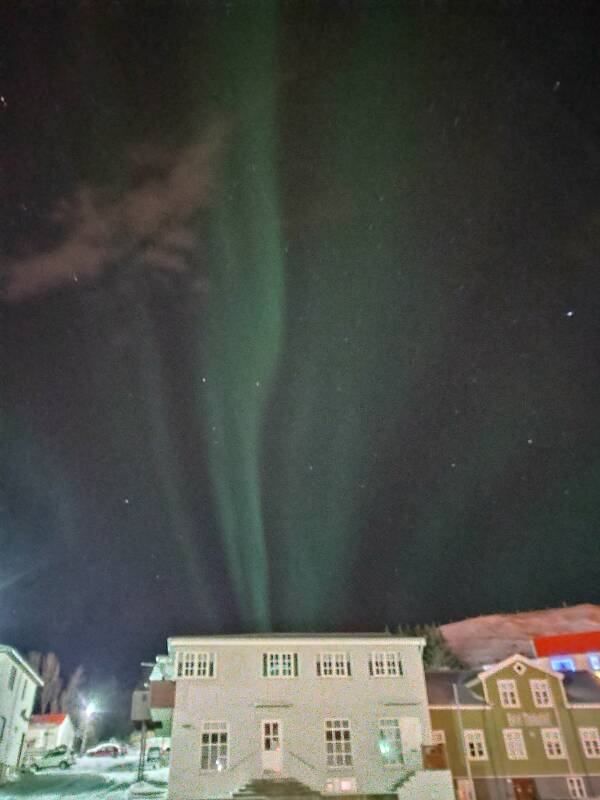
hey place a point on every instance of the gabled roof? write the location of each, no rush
(446, 687)
(47, 719)
(567, 643)
(18, 659)
(582, 688)
(272, 639)
(482, 676)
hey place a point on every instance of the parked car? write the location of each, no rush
(111, 749)
(60, 757)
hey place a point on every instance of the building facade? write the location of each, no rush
(518, 730)
(18, 685)
(47, 731)
(569, 652)
(338, 713)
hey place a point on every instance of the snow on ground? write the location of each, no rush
(88, 779)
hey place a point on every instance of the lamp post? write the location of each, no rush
(87, 716)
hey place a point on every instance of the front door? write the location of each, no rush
(524, 789)
(272, 755)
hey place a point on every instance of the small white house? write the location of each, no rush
(47, 731)
(18, 685)
(337, 713)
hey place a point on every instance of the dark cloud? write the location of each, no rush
(149, 223)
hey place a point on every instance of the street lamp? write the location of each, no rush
(88, 713)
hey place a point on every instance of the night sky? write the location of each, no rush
(299, 318)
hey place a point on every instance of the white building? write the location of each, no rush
(18, 685)
(47, 731)
(338, 713)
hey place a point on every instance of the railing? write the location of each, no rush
(243, 760)
(303, 761)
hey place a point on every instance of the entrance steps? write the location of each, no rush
(276, 787)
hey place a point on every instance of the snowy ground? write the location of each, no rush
(88, 779)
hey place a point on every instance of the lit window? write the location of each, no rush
(594, 661)
(509, 697)
(333, 665)
(475, 745)
(590, 742)
(562, 664)
(214, 747)
(542, 696)
(465, 790)
(340, 785)
(515, 744)
(386, 664)
(196, 665)
(11, 678)
(438, 737)
(553, 744)
(576, 787)
(280, 665)
(390, 741)
(338, 748)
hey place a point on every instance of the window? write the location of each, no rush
(214, 752)
(340, 785)
(475, 745)
(438, 737)
(590, 742)
(390, 741)
(196, 665)
(465, 790)
(594, 662)
(509, 697)
(333, 665)
(562, 664)
(542, 696)
(280, 665)
(514, 743)
(576, 786)
(2, 724)
(553, 743)
(338, 748)
(11, 678)
(385, 665)
(24, 690)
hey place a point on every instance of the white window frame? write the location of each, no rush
(345, 753)
(551, 738)
(475, 737)
(196, 664)
(392, 725)
(438, 736)
(509, 693)
(541, 693)
(210, 727)
(340, 785)
(576, 787)
(386, 664)
(590, 741)
(280, 664)
(333, 665)
(514, 744)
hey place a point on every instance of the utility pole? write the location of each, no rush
(142, 758)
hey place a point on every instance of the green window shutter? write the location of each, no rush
(295, 665)
(264, 665)
(348, 666)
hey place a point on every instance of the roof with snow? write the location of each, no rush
(47, 719)
(441, 689)
(582, 687)
(18, 659)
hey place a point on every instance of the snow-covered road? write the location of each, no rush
(88, 779)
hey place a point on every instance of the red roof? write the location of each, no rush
(48, 719)
(567, 644)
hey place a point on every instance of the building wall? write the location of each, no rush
(15, 709)
(46, 737)
(549, 774)
(243, 698)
